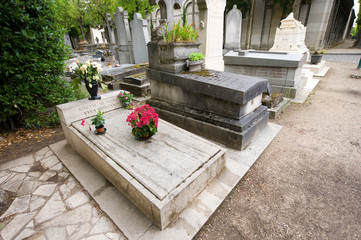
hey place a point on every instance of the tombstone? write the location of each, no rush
(160, 176)
(140, 38)
(99, 54)
(123, 35)
(233, 29)
(211, 14)
(290, 37)
(109, 26)
(283, 70)
(67, 41)
(166, 8)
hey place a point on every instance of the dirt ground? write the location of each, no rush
(307, 183)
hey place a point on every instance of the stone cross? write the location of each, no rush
(166, 9)
(123, 35)
(233, 28)
(140, 38)
(109, 26)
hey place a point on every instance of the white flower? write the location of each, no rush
(72, 67)
(96, 77)
(83, 68)
(87, 63)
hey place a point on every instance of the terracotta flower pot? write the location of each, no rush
(100, 129)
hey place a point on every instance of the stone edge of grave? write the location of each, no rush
(132, 223)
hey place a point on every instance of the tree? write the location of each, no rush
(286, 6)
(32, 54)
(136, 6)
(97, 10)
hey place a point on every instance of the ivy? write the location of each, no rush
(32, 54)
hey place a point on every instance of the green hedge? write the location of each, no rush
(32, 54)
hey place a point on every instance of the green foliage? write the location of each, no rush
(196, 56)
(319, 52)
(32, 61)
(286, 5)
(98, 120)
(243, 5)
(136, 6)
(178, 33)
(126, 98)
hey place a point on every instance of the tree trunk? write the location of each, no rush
(296, 9)
(80, 20)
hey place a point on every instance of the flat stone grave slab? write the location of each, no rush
(160, 176)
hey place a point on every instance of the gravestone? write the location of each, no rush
(233, 29)
(109, 25)
(137, 84)
(123, 35)
(211, 15)
(140, 38)
(160, 176)
(283, 70)
(114, 76)
(67, 41)
(290, 36)
(221, 106)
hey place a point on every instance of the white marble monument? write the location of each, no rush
(290, 36)
(211, 14)
(233, 29)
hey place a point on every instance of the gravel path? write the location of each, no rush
(307, 184)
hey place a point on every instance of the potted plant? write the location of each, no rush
(144, 122)
(317, 56)
(171, 46)
(99, 122)
(89, 73)
(108, 55)
(195, 61)
(125, 98)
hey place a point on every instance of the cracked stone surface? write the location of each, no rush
(49, 203)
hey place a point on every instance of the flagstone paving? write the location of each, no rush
(49, 202)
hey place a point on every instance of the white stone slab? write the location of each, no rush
(123, 213)
(160, 175)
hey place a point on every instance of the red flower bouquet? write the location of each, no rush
(144, 121)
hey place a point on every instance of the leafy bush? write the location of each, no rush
(32, 54)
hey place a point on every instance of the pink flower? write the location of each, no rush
(82, 122)
(126, 97)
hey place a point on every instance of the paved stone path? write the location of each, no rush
(50, 203)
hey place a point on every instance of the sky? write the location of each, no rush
(356, 7)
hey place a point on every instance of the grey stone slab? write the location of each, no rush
(19, 205)
(27, 160)
(230, 87)
(199, 210)
(53, 208)
(56, 233)
(45, 190)
(140, 38)
(118, 73)
(15, 225)
(229, 134)
(138, 91)
(265, 58)
(78, 215)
